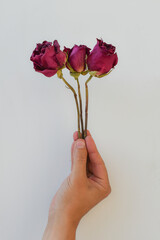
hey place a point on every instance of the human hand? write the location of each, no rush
(86, 186)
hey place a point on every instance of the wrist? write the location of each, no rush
(60, 229)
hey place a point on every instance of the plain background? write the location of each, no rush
(38, 116)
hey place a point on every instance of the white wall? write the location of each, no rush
(38, 116)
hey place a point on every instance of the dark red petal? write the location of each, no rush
(116, 60)
(61, 58)
(56, 46)
(41, 46)
(67, 50)
(99, 42)
(101, 63)
(48, 59)
(37, 67)
(36, 59)
(108, 49)
(88, 51)
(47, 72)
(77, 58)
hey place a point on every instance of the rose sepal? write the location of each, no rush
(75, 74)
(59, 73)
(105, 74)
(93, 73)
(84, 73)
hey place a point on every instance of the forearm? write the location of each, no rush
(62, 230)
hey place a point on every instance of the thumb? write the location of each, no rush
(79, 159)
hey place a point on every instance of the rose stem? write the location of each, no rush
(86, 109)
(75, 96)
(80, 104)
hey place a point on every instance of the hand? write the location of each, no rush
(86, 186)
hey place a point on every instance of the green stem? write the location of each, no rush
(86, 109)
(75, 96)
(80, 104)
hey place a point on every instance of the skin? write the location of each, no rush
(87, 185)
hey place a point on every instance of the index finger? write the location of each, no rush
(96, 164)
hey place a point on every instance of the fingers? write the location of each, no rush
(96, 164)
(96, 169)
(75, 137)
(88, 133)
(79, 160)
(94, 155)
(72, 147)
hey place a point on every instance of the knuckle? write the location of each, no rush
(106, 191)
(81, 158)
(69, 181)
(109, 190)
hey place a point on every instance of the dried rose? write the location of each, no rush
(48, 58)
(102, 58)
(77, 58)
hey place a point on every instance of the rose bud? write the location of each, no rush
(77, 58)
(48, 58)
(102, 58)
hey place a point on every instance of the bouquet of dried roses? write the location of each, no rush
(49, 60)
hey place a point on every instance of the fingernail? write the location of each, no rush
(80, 144)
